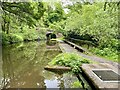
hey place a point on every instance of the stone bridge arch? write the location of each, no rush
(50, 34)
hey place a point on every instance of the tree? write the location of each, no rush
(23, 12)
(54, 14)
(100, 25)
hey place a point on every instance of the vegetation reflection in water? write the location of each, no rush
(23, 66)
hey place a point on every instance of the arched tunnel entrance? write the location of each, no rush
(50, 35)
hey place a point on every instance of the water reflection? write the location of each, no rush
(51, 43)
(23, 66)
(55, 79)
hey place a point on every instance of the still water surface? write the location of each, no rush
(23, 66)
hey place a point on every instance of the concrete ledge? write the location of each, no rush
(95, 80)
(58, 69)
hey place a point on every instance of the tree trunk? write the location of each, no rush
(7, 29)
(3, 25)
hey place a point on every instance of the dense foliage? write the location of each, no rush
(69, 59)
(100, 25)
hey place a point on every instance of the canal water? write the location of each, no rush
(23, 66)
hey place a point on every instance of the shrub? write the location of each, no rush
(31, 35)
(106, 52)
(5, 39)
(76, 84)
(69, 59)
(11, 38)
(15, 38)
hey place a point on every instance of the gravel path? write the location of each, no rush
(67, 48)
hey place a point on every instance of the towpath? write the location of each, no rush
(67, 48)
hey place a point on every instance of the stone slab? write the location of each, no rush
(95, 80)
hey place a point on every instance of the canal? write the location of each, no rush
(23, 66)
